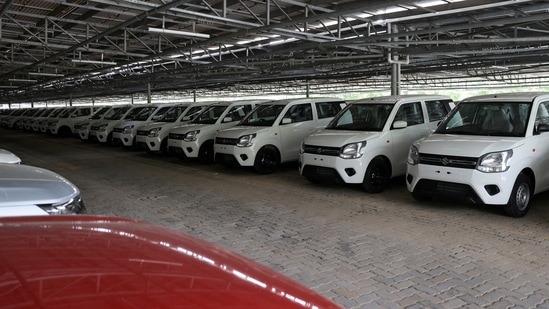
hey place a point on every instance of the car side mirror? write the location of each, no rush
(227, 119)
(286, 120)
(186, 118)
(400, 124)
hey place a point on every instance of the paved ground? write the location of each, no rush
(361, 250)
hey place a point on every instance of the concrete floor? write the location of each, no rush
(358, 249)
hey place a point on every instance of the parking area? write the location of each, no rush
(361, 250)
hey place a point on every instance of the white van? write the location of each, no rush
(153, 137)
(196, 138)
(124, 133)
(491, 150)
(272, 133)
(367, 143)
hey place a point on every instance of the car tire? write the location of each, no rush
(266, 161)
(519, 201)
(64, 132)
(376, 177)
(206, 152)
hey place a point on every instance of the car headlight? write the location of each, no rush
(495, 162)
(154, 132)
(413, 155)
(127, 129)
(102, 127)
(84, 126)
(73, 206)
(191, 136)
(352, 151)
(245, 140)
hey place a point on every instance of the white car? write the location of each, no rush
(196, 139)
(153, 137)
(8, 157)
(63, 125)
(42, 125)
(83, 127)
(368, 142)
(272, 133)
(124, 132)
(491, 150)
(102, 130)
(29, 190)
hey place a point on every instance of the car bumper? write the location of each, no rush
(458, 183)
(151, 143)
(188, 149)
(244, 156)
(332, 168)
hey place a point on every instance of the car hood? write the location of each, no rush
(23, 185)
(181, 129)
(238, 131)
(129, 123)
(104, 262)
(8, 157)
(466, 145)
(148, 126)
(338, 138)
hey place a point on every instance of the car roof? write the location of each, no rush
(304, 100)
(393, 99)
(515, 96)
(107, 262)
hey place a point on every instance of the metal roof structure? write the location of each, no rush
(56, 49)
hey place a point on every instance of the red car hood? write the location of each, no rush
(103, 262)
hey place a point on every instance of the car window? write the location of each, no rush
(542, 115)
(436, 109)
(300, 113)
(362, 117)
(327, 109)
(411, 113)
(238, 112)
(263, 115)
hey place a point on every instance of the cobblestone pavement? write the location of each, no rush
(361, 250)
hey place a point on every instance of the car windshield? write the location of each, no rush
(361, 117)
(134, 112)
(263, 115)
(116, 114)
(210, 114)
(67, 112)
(488, 119)
(56, 112)
(100, 113)
(145, 113)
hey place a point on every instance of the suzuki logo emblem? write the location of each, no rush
(445, 161)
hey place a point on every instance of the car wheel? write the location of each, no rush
(377, 176)
(163, 146)
(519, 201)
(206, 152)
(266, 161)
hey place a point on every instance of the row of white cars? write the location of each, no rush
(489, 149)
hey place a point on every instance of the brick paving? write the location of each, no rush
(358, 249)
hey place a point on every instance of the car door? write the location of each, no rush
(540, 142)
(291, 134)
(403, 138)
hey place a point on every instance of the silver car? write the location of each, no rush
(8, 157)
(27, 190)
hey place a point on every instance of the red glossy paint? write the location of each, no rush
(104, 262)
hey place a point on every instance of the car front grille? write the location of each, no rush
(226, 141)
(142, 133)
(321, 150)
(118, 130)
(176, 136)
(449, 161)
